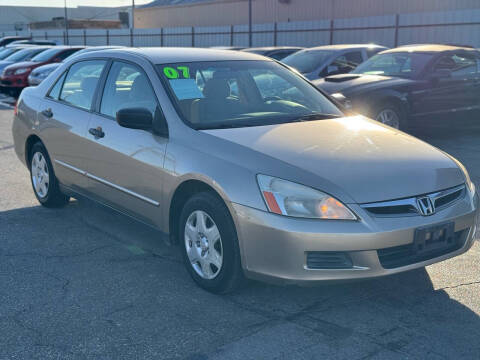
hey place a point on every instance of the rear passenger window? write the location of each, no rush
(127, 86)
(55, 91)
(81, 82)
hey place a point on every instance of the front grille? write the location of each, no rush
(447, 199)
(328, 260)
(409, 206)
(398, 256)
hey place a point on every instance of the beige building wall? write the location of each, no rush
(234, 12)
(24, 15)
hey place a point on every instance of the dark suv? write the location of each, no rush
(398, 85)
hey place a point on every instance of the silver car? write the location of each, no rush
(244, 164)
(322, 61)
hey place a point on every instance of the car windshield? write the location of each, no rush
(46, 55)
(401, 64)
(225, 94)
(24, 54)
(308, 60)
(7, 52)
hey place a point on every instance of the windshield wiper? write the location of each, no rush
(307, 117)
(316, 116)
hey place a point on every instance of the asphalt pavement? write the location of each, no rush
(86, 283)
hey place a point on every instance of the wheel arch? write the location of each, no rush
(31, 140)
(185, 190)
(391, 98)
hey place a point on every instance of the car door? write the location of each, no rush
(65, 113)
(451, 83)
(125, 166)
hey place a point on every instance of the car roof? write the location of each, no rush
(340, 47)
(164, 55)
(428, 48)
(36, 47)
(63, 47)
(270, 48)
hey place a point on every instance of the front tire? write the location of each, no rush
(209, 244)
(391, 115)
(44, 183)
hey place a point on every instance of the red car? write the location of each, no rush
(15, 77)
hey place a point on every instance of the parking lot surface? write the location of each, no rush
(86, 283)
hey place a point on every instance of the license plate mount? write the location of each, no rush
(433, 238)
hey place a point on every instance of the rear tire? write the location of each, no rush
(44, 183)
(209, 244)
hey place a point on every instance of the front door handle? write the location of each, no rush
(47, 113)
(97, 132)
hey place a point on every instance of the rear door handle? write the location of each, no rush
(47, 113)
(97, 132)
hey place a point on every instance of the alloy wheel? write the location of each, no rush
(389, 117)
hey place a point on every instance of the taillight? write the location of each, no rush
(15, 109)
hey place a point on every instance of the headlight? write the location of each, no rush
(468, 181)
(21, 71)
(43, 74)
(287, 198)
(342, 99)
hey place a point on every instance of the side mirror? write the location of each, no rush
(135, 118)
(440, 74)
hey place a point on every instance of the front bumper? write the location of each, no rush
(275, 248)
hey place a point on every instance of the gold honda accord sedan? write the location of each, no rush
(243, 163)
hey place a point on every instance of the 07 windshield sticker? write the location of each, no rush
(179, 72)
(184, 87)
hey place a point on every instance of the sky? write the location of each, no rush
(72, 3)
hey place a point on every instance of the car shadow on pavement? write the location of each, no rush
(84, 280)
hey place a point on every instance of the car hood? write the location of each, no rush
(4, 64)
(51, 66)
(367, 160)
(23, 64)
(48, 67)
(349, 83)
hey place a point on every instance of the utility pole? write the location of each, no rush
(133, 13)
(250, 23)
(66, 19)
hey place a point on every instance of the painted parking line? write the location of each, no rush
(6, 147)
